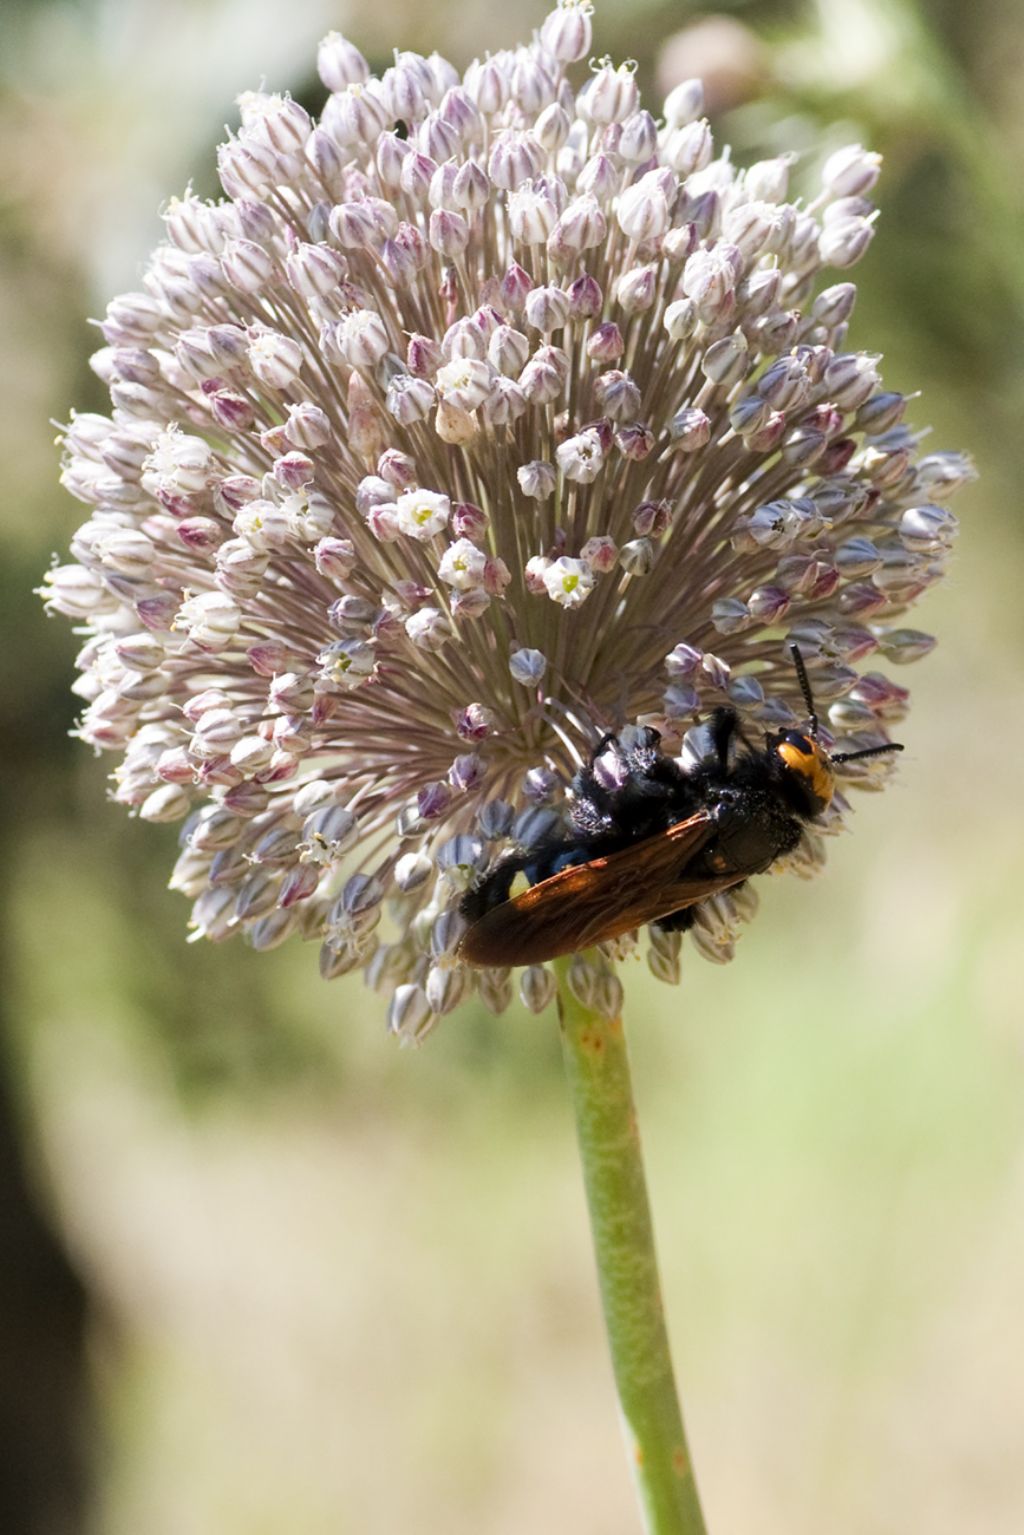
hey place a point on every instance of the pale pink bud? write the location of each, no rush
(600, 553)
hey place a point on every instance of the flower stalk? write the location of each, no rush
(597, 1068)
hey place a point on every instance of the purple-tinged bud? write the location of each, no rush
(508, 350)
(294, 471)
(307, 426)
(468, 521)
(726, 362)
(449, 233)
(939, 475)
(566, 31)
(690, 148)
(690, 428)
(597, 182)
(314, 271)
(247, 266)
(880, 413)
(684, 103)
(851, 172)
(350, 614)
(617, 396)
(527, 667)
(339, 63)
(636, 290)
(551, 129)
(643, 212)
(515, 158)
(428, 629)
(635, 441)
(201, 534)
(546, 309)
(857, 557)
(364, 338)
(397, 469)
(709, 279)
(487, 85)
(471, 188)
(467, 772)
(275, 359)
(458, 109)
(585, 298)
(474, 723)
(850, 379)
(533, 85)
(844, 241)
(730, 615)
(541, 786)
(609, 96)
(606, 343)
(544, 377)
(531, 216)
(335, 558)
(392, 153)
(231, 411)
(902, 646)
(834, 306)
(440, 142)
(777, 332)
(423, 356)
(928, 529)
(638, 140)
(515, 285)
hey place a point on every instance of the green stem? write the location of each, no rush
(597, 1066)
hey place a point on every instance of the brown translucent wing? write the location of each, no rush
(593, 902)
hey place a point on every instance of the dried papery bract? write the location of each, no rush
(482, 415)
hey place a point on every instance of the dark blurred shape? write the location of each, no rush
(43, 1480)
(721, 51)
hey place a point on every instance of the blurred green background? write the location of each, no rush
(261, 1271)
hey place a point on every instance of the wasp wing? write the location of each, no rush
(602, 899)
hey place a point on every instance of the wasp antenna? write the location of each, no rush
(805, 687)
(869, 751)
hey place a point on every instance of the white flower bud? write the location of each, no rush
(684, 103)
(568, 582)
(463, 565)
(581, 458)
(465, 383)
(428, 629)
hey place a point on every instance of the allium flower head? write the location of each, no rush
(483, 415)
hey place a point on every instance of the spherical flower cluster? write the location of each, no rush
(480, 416)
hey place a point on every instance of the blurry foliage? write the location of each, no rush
(849, 1148)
